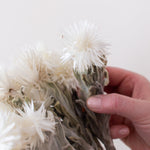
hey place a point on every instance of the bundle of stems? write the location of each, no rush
(43, 98)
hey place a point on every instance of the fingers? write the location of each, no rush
(117, 75)
(121, 105)
(121, 81)
(119, 131)
(127, 83)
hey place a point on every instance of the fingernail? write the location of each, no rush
(124, 131)
(93, 103)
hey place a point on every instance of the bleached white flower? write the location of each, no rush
(34, 124)
(9, 130)
(84, 46)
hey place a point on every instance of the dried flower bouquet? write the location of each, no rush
(43, 98)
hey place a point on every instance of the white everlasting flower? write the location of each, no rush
(9, 130)
(84, 46)
(34, 124)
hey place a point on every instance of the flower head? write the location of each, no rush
(84, 46)
(34, 124)
(30, 68)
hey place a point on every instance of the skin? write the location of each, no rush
(128, 102)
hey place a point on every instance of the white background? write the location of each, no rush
(124, 23)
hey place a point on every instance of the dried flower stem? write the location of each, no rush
(91, 83)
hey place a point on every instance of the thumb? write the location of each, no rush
(118, 104)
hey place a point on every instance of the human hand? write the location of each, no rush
(128, 102)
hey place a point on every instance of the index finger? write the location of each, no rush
(121, 81)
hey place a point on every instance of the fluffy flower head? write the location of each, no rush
(30, 68)
(35, 123)
(84, 46)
